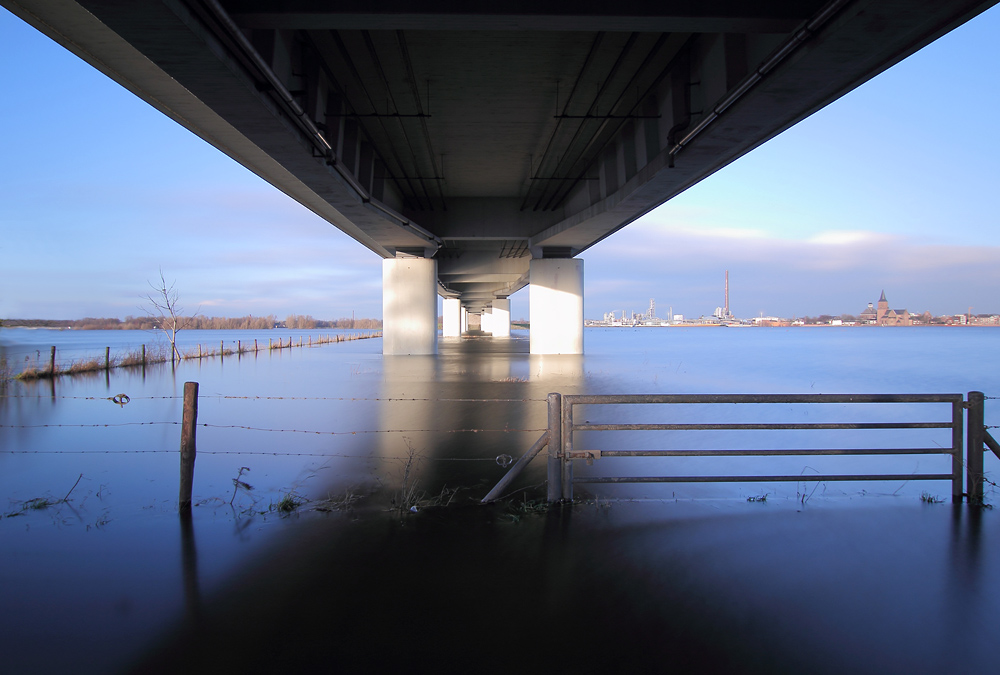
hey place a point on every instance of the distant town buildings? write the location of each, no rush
(875, 314)
(890, 317)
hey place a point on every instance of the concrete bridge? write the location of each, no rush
(482, 147)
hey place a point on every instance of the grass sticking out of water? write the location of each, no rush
(41, 503)
(526, 507)
(344, 502)
(289, 503)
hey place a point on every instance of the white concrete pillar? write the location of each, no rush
(409, 306)
(555, 306)
(501, 318)
(465, 320)
(487, 321)
(452, 324)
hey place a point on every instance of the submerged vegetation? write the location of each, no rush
(40, 503)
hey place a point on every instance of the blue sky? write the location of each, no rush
(892, 187)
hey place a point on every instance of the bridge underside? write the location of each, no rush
(485, 136)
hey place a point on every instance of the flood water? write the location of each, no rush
(821, 576)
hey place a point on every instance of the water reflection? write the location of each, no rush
(630, 588)
(189, 568)
(826, 586)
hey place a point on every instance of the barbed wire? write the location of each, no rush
(82, 426)
(372, 431)
(296, 431)
(249, 452)
(295, 398)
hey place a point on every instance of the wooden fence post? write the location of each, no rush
(52, 361)
(107, 358)
(189, 423)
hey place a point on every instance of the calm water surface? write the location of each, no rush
(820, 576)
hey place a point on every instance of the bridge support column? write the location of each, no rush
(501, 317)
(555, 302)
(409, 306)
(487, 320)
(452, 324)
(465, 321)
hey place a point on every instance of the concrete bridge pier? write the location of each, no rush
(487, 321)
(501, 318)
(453, 315)
(556, 305)
(465, 321)
(409, 306)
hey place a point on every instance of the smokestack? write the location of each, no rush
(727, 292)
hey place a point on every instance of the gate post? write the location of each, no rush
(567, 447)
(957, 456)
(974, 449)
(555, 448)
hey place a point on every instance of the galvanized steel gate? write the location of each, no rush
(559, 438)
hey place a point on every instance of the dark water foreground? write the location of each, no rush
(648, 587)
(817, 578)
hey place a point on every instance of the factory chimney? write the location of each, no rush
(726, 314)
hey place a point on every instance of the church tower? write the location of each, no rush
(883, 308)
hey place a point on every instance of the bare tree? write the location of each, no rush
(163, 307)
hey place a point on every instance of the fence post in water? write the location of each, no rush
(52, 361)
(974, 449)
(255, 345)
(567, 448)
(144, 356)
(107, 358)
(222, 348)
(239, 347)
(189, 422)
(555, 448)
(957, 457)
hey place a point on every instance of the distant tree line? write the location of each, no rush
(196, 323)
(306, 322)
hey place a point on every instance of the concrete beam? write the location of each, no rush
(549, 15)
(555, 306)
(452, 324)
(501, 318)
(409, 306)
